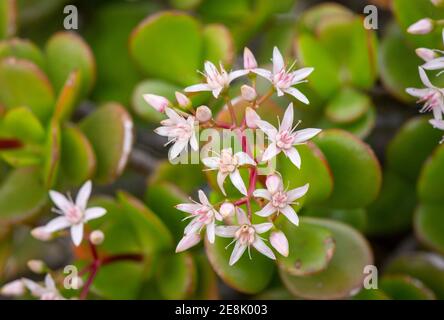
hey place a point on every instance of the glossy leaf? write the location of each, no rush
(218, 44)
(428, 223)
(430, 183)
(347, 106)
(68, 97)
(405, 288)
(22, 49)
(22, 124)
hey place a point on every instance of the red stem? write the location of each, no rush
(6, 144)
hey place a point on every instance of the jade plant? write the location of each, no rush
(297, 177)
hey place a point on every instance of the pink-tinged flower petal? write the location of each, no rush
(422, 26)
(251, 117)
(237, 181)
(249, 60)
(274, 183)
(278, 61)
(157, 102)
(287, 121)
(198, 87)
(305, 135)
(297, 94)
(263, 227)
(291, 215)
(77, 234)
(244, 159)
(203, 114)
(266, 211)
(177, 148)
(216, 92)
(163, 131)
(263, 73)
(297, 193)
(83, 195)
(242, 217)
(300, 74)
(220, 181)
(187, 242)
(188, 207)
(49, 283)
(236, 74)
(226, 231)
(36, 289)
(425, 78)
(60, 200)
(237, 253)
(194, 226)
(279, 241)
(438, 124)
(210, 68)
(193, 142)
(94, 213)
(203, 198)
(211, 162)
(269, 130)
(271, 151)
(57, 224)
(435, 64)
(426, 54)
(211, 231)
(437, 113)
(260, 246)
(262, 193)
(182, 99)
(294, 156)
(418, 93)
(14, 288)
(40, 233)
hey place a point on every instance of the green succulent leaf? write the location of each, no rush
(344, 273)
(68, 97)
(218, 44)
(22, 49)
(22, 124)
(405, 288)
(52, 154)
(168, 45)
(356, 218)
(110, 131)
(347, 106)
(8, 17)
(428, 224)
(430, 183)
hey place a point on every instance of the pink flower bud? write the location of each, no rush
(203, 114)
(426, 54)
(157, 102)
(227, 209)
(96, 237)
(273, 182)
(41, 234)
(248, 93)
(36, 266)
(15, 288)
(182, 100)
(249, 60)
(187, 242)
(251, 117)
(279, 241)
(422, 26)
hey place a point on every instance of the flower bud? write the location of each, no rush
(96, 237)
(279, 241)
(249, 60)
(76, 283)
(41, 234)
(426, 54)
(273, 183)
(36, 266)
(15, 288)
(182, 100)
(248, 93)
(203, 114)
(187, 242)
(422, 26)
(227, 210)
(157, 102)
(251, 117)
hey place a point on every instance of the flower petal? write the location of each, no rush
(57, 224)
(211, 162)
(83, 195)
(280, 242)
(305, 134)
(271, 151)
(36, 289)
(419, 93)
(187, 242)
(60, 200)
(262, 193)
(188, 207)
(220, 181)
(263, 73)
(287, 121)
(266, 211)
(263, 227)
(244, 159)
(198, 87)
(226, 231)
(278, 61)
(49, 283)
(425, 78)
(203, 198)
(242, 217)
(266, 127)
(274, 183)
(291, 215)
(438, 124)
(193, 142)
(237, 253)
(236, 74)
(297, 94)
(260, 246)
(435, 64)
(237, 181)
(173, 115)
(437, 113)
(94, 213)
(301, 74)
(297, 193)
(77, 233)
(194, 226)
(177, 148)
(294, 156)
(211, 231)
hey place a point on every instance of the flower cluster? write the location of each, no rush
(431, 96)
(228, 218)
